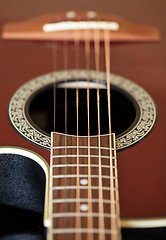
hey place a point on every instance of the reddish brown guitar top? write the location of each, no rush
(142, 168)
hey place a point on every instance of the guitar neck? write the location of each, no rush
(83, 201)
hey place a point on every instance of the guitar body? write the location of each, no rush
(141, 168)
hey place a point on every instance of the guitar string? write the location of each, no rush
(90, 235)
(50, 190)
(77, 219)
(97, 63)
(77, 102)
(66, 192)
(112, 196)
(54, 60)
(54, 56)
(55, 49)
(65, 54)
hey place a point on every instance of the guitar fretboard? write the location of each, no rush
(84, 201)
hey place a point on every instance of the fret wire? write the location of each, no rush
(82, 230)
(73, 200)
(83, 187)
(93, 156)
(86, 147)
(82, 214)
(81, 176)
(80, 165)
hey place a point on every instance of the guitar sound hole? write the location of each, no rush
(40, 113)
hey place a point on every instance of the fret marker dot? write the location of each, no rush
(84, 181)
(70, 14)
(84, 207)
(91, 14)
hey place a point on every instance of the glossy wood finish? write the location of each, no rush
(142, 178)
(32, 29)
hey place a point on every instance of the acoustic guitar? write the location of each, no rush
(76, 118)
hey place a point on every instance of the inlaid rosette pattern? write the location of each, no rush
(142, 126)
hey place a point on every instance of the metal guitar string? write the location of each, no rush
(65, 60)
(65, 54)
(101, 206)
(112, 195)
(54, 60)
(90, 235)
(97, 63)
(76, 48)
(54, 56)
(66, 192)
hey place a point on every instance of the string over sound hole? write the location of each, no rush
(40, 109)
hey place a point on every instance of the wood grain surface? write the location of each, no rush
(142, 168)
